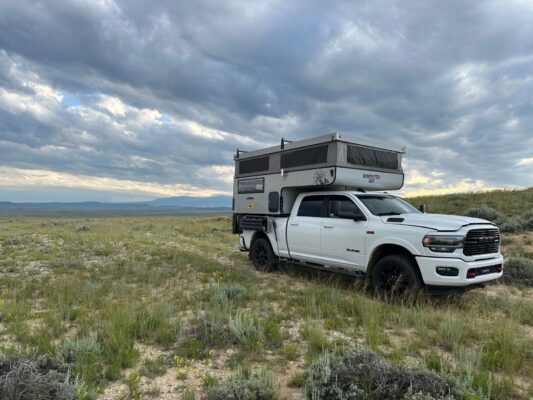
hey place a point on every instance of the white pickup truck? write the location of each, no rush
(398, 247)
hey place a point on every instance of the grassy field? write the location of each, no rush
(166, 307)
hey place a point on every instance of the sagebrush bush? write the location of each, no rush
(42, 378)
(518, 270)
(509, 225)
(360, 375)
(84, 354)
(527, 220)
(245, 386)
(484, 212)
(224, 297)
(247, 331)
(519, 223)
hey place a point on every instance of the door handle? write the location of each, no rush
(328, 226)
(294, 223)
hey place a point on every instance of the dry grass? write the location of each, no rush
(97, 298)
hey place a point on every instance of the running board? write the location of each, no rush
(320, 267)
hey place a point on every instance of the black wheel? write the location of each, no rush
(262, 255)
(396, 277)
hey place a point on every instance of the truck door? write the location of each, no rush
(303, 232)
(343, 233)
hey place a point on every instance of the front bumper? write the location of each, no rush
(428, 269)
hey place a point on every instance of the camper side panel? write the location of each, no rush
(252, 194)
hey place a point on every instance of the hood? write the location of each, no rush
(439, 222)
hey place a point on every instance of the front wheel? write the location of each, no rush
(262, 255)
(396, 277)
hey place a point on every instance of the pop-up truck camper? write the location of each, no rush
(321, 202)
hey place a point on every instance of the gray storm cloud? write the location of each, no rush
(161, 93)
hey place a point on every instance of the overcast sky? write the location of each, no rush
(131, 100)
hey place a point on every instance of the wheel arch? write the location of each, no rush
(270, 236)
(387, 249)
(257, 235)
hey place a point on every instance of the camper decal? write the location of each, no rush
(371, 178)
(250, 202)
(320, 178)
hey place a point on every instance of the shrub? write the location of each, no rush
(247, 331)
(484, 212)
(245, 386)
(210, 329)
(510, 225)
(225, 293)
(41, 378)
(85, 356)
(359, 375)
(518, 270)
(527, 220)
(523, 222)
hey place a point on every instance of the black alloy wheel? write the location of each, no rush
(395, 277)
(262, 255)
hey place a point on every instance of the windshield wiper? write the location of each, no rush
(388, 213)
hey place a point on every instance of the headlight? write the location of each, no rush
(443, 243)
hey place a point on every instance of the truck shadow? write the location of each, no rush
(429, 296)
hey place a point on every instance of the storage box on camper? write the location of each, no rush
(267, 181)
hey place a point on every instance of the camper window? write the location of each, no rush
(254, 165)
(367, 157)
(255, 185)
(309, 156)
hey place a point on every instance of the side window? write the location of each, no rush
(342, 207)
(311, 206)
(254, 185)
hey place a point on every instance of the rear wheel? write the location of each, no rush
(262, 255)
(396, 277)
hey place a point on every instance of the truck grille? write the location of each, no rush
(481, 241)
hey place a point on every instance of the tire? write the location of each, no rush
(262, 255)
(396, 277)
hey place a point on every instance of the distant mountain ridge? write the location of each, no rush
(181, 204)
(191, 201)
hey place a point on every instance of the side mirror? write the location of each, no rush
(350, 215)
(422, 207)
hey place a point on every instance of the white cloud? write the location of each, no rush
(113, 105)
(39, 100)
(525, 161)
(39, 179)
(222, 173)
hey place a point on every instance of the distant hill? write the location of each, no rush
(169, 205)
(509, 202)
(190, 201)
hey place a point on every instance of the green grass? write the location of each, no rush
(508, 202)
(122, 299)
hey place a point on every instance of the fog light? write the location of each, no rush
(471, 273)
(447, 271)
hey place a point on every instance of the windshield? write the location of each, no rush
(387, 205)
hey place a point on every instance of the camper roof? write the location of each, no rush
(287, 145)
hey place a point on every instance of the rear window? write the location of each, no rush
(364, 156)
(311, 206)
